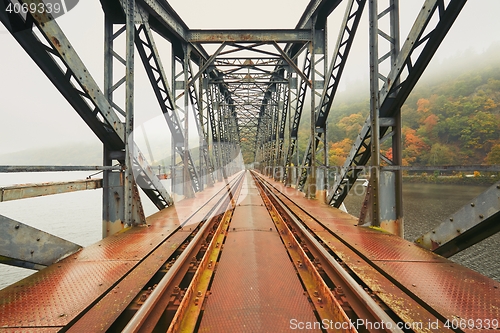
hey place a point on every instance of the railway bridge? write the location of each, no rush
(249, 235)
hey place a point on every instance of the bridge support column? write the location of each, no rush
(121, 202)
(385, 193)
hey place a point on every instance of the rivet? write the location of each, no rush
(451, 219)
(472, 204)
(17, 226)
(481, 216)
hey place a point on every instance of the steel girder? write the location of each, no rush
(471, 224)
(28, 247)
(397, 87)
(350, 24)
(62, 65)
(249, 36)
(99, 115)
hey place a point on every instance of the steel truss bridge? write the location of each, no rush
(257, 250)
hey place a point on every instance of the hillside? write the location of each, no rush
(451, 117)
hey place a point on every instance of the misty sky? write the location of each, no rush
(34, 114)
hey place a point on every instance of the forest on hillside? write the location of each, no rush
(451, 117)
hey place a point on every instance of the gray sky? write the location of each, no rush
(34, 114)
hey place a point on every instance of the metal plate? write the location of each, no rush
(453, 290)
(123, 246)
(383, 246)
(399, 302)
(255, 288)
(57, 294)
(102, 315)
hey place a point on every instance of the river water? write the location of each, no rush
(77, 216)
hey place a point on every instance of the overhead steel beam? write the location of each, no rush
(24, 191)
(319, 10)
(27, 247)
(397, 88)
(249, 36)
(471, 224)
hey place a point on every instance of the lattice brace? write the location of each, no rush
(206, 108)
(275, 116)
(213, 134)
(186, 174)
(196, 100)
(350, 23)
(428, 31)
(283, 107)
(297, 115)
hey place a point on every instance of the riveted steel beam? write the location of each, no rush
(52, 168)
(23, 191)
(249, 36)
(28, 247)
(471, 224)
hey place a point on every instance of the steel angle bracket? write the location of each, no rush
(27, 247)
(471, 224)
(148, 181)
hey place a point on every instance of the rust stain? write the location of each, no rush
(55, 42)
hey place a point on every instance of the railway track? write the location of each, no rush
(218, 275)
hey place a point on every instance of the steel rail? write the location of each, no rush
(415, 301)
(322, 298)
(375, 309)
(141, 316)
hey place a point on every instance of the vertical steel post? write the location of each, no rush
(311, 183)
(107, 220)
(374, 114)
(129, 113)
(188, 188)
(396, 216)
(385, 187)
(173, 166)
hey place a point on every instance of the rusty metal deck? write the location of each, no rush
(445, 288)
(102, 278)
(255, 288)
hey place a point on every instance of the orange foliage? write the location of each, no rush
(423, 105)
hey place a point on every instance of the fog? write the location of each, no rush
(35, 116)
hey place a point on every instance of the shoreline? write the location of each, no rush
(458, 180)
